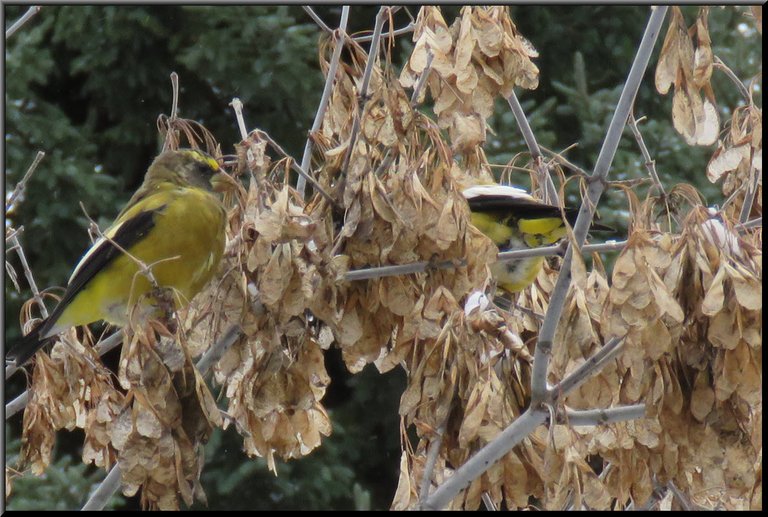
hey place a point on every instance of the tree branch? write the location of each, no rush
(594, 191)
(339, 35)
(21, 21)
(319, 21)
(591, 417)
(544, 178)
(589, 368)
(718, 63)
(484, 458)
(429, 466)
(363, 98)
(650, 163)
(18, 190)
(504, 256)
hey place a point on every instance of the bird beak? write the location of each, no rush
(220, 181)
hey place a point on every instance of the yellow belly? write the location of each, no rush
(514, 276)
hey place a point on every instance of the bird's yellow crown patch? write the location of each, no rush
(201, 157)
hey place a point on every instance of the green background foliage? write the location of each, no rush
(86, 84)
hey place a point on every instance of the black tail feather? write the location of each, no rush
(23, 350)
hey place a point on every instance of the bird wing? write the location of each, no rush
(121, 236)
(118, 238)
(525, 207)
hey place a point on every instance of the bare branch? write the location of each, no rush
(485, 457)
(683, 499)
(488, 502)
(749, 196)
(544, 178)
(18, 190)
(753, 223)
(214, 353)
(429, 466)
(16, 245)
(319, 21)
(591, 417)
(16, 404)
(400, 269)
(422, 79)
(339, 35)
(363, 97)
(504, 256)
(295, 166)
(718, 63)
(397, 32)
(594, 191)
(589, 368)
(650, 163)
(21, 21)
(237, 106)
(104, 491)
(175, 90)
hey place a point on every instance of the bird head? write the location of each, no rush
(185, 167)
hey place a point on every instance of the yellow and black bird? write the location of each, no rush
(514, 220)
(174, 224)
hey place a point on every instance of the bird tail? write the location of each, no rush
(27, 346)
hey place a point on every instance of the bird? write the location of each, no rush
(515, 220)
(174, 225)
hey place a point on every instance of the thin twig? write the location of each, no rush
(104, 491)
(595, 188)
(657, 495)
(422, 79)
(295, 166)
(175, 101)
(16, 245)
(515, 433)
(214, 353)
(488, 502)
(683, 499)
(237, 106)
(650, 163)
(749, 195)
(392, 34)
(111, 483)
(562, 160)
(319, 21)
(400, 269)
(339, 36)
(504, 256)
(588, 369)
(718, 63)
(16, 404)
(545, 179)
(429, 466)
(12, 232)
(143, 268)
(753, 223)
(171, 136)
(592, 417)
(21, 21)
(18, 190)
(363, 96)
